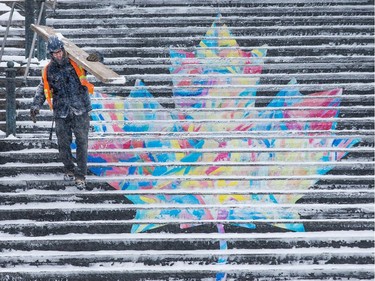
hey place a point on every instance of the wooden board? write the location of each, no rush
(99, 70)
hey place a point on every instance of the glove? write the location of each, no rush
(33, 113)
(95, 57)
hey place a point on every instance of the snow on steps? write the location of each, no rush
(269, 256)
(52, 231)
(98, 223)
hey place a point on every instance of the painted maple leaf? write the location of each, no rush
(214, 90)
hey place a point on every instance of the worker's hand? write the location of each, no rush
(33, 113)
(95, 57)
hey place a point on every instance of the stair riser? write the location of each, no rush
(104, 198)
(211, 244)
(191, 259)
(92, 227)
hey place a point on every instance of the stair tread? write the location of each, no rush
(51, 230)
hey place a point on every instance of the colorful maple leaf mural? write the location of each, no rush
(214, 90)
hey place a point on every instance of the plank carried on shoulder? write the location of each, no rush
(99, 70)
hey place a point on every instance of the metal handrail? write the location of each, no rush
(7, 30)
(48, 3)
(11, 74)
(51, 4)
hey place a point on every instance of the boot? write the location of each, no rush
(69, 176)
(80, 183)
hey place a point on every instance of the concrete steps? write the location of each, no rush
(137, 223)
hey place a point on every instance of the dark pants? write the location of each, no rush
(78, 125)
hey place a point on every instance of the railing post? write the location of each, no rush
(34, 36)
(41, 45)
(29, 19)
(11, 114)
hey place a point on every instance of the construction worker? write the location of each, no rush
(65, 87)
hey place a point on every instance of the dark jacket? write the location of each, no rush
(68, 93)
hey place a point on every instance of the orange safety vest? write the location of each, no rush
(81, 73)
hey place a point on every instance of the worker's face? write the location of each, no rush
(58, 55)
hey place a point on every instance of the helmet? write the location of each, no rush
(54, 44)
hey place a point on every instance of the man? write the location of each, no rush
(66, 89)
